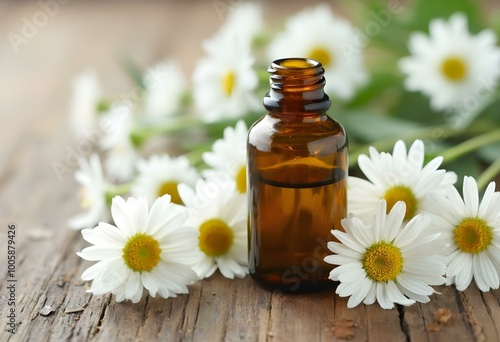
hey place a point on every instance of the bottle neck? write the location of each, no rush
(296, 88)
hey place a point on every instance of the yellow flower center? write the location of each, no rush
(454, 68)
(405, 194)
(141, 253)
(382, 262)
(171, 189)
(473, 235)
(241, 180)
(321, 55)
(228, 82)
(215, 237)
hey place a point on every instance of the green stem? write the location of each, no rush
(470, 145)
(143, 132)
(488, 174)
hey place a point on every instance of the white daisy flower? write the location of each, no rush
(160, 175)
(472, 230)
(385, 260)
(229, 155)
(122, 156)
(244, 20)
(219, 213)
(86, 102)
(401, 176)
(165, 84)
(152, 250)
(92, 192)
(318, 34)
(224, 80)
(450, 64)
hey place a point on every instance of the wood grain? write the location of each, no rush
(34, 98)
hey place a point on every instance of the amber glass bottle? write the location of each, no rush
(297, 172)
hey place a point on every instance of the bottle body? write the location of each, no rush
(297, 173)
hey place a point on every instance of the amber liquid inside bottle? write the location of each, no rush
(297, 169)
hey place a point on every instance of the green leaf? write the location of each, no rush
(386, 22)
(490, 153)
(464, 166)
(378, 85)
(415, 106)
(494, 21)
(426, 10)
(493, 108)
(133, 71)
(369, 126)
(216, 129)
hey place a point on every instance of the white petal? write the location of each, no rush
(440, 205)
(414, 284)
(425, 245)
(371, 296)
(396, 296)
(346, 289)
(411, 231)
(378, 223)
(133, 287)
(461, 269)
(394, 220)
(205, 268)
(341, 249)
(84, 220)
(105, 235)
(172, 278)
(116, 274)
(349, 241)
(471, 196)
(456, 202)
(361, 293)
(150, 283)
(412, 295)
(416, 154)
(485, 274)
(94, 270)
(399, 151)
(382, 297)
(489, 207)
(230, 268)
(119, 211)
(426, 266)
(165, 218)
(366, 165)
(351, 272)
(95, 253)
(141, 213)
(361, 231)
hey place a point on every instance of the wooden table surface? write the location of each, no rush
(34, 102)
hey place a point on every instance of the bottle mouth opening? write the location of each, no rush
(295, 63)
(296, 74)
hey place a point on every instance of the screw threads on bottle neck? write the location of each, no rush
(296, 87)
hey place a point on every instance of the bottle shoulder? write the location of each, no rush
(274, 133)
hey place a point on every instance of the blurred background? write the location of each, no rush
(46, 44)
(80, 34)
